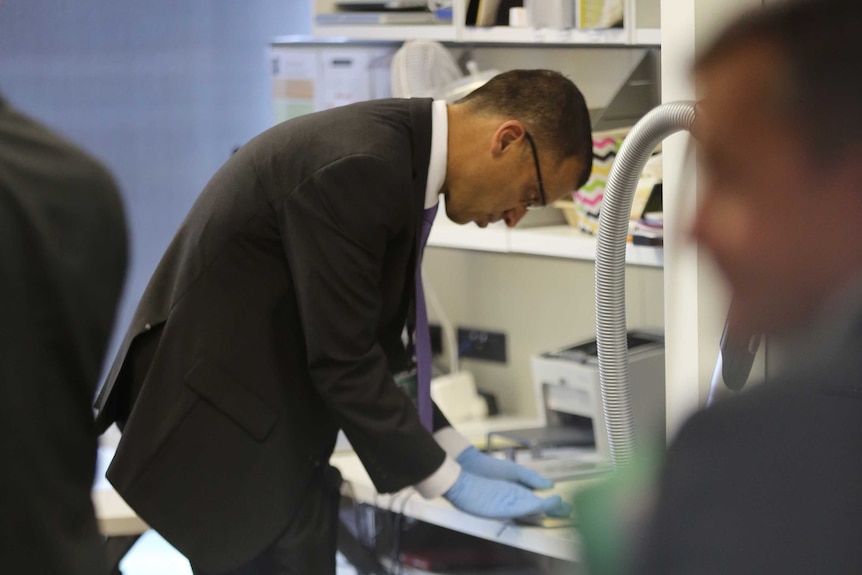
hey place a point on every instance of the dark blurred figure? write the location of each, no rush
(771, 481)
(62, 265)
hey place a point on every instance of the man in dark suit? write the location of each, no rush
(275, 318)
(62, 265)
(769, 481)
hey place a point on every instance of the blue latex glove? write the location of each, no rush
(479, 463)
(498, 499)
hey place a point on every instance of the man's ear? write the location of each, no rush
(505, 135)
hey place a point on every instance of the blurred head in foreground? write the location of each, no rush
(779, 131)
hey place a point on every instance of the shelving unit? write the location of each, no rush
(640, 29)
(439, 32)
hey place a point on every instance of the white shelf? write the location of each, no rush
(440, 32)
(487, 35)
(555, 241)
(648, 37)
(567, 242)
(552, 241)
(445, 234)
(506, 35)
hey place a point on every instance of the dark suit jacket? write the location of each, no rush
(62, 264)
(273, 320)
(768, 482)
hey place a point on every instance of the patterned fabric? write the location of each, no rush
(588, 199)
(583, 212)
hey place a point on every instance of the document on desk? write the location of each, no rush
(565, 489)
(568, 468)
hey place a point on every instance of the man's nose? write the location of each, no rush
(513, 215)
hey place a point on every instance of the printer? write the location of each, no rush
(569, 398)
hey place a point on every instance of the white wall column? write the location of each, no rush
(695, 298)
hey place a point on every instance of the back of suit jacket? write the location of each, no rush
(62, 264)
(273, 320)
(768, 482)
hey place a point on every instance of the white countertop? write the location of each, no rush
(558, 542)
(117, 518)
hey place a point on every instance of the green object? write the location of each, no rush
(611, 516)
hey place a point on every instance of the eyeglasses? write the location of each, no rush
(531, 204)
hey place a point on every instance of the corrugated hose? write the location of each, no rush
(611, 334)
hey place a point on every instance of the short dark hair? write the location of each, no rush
(550, 106)
(820, 42)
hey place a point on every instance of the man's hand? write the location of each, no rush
(498, 499)
(478, 463)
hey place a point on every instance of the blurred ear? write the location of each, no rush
(837, 209)
(843, 174)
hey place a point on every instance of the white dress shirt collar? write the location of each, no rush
(439, 150)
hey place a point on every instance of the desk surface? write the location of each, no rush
(114, 515)
(117, 518)
(559, 542)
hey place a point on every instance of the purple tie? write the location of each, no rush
(423, 336)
